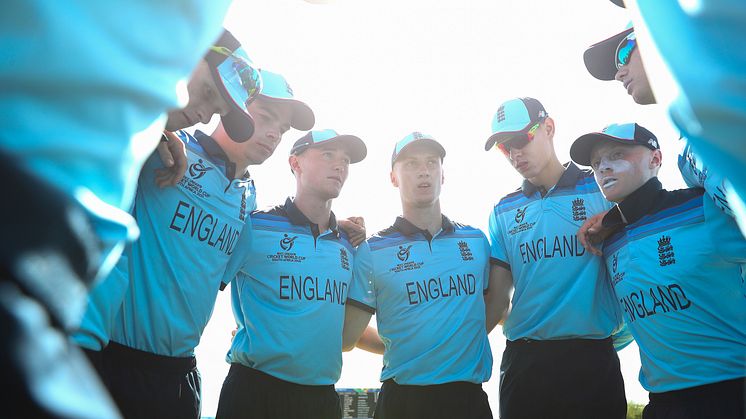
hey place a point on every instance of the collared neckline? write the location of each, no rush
(296, 217)
(569, 179)
(408, 229)
(635, 206)
(212, 148)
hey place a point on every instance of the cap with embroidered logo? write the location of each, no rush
(513, 117)
(419, 138)
(354, 146)
(629, 134)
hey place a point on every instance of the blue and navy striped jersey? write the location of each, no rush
(676, 271)
(289, 297)
(697, 174)
(163, 290)
(427, 294)
(560, 288)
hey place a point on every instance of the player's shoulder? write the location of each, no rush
(275, 212)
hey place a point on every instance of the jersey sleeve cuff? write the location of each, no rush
(361, 306)
(498, 262)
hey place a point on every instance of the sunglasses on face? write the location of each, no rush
(624, 50)
(519, 141)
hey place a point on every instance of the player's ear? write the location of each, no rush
(656, 159)
(394, 180)
(549, 126)
(294, 164)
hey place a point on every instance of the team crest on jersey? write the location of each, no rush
(287, 242)
(616, 277)
(198, 169)
(403, 254)
(286, 245)
(578, 210)
(344, 260)
(520, 215)
(466, 254)
(665, 251)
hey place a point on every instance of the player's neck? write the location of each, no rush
(425, 218)
(317, 210)
(549, 177)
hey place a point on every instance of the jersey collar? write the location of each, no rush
(408, 229)
(635, 206)
(217, 153)
(569, 179)
(298, 218)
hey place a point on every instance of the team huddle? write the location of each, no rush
(583, 258)
(305, 285)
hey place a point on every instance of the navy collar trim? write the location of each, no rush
(298, 218)
(569, 179)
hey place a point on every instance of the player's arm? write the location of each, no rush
(356, 320)
(497, 297)
(371, 342)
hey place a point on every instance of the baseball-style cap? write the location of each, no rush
(275, 87)
(416, 137)
(513, 117)
(355, 146)
(628, 134)
(600, 58)
(619, 3)
(238, 81)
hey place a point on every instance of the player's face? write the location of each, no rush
(635, 79)
(418, 173)
(533, 158)
(271, 121)
(621, 169)
(204, 101)
(323, 170)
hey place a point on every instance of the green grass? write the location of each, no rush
(634, 410)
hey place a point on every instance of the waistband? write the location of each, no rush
(149, 360)
(730, 389)
(262, 378)
(452, 386)
(558, 343)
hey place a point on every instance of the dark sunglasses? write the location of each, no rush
(624, 50)
(519, 141)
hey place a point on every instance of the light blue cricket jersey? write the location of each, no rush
(676, 274)
(85, 85)
(289, 297)
(561, 291)
(698, 175)
(710, 74)
(427, 293)
(188, 234)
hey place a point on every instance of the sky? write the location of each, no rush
(382, 69)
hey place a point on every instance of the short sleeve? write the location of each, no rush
(362, 289)
(498, 253)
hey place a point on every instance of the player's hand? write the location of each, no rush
(174, 158)
(355, 229)
(592, 233)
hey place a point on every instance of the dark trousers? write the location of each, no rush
(146, 385)
(251, 394)
(48, 256)
(723, 400)
(573, 378)
(460, 400)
